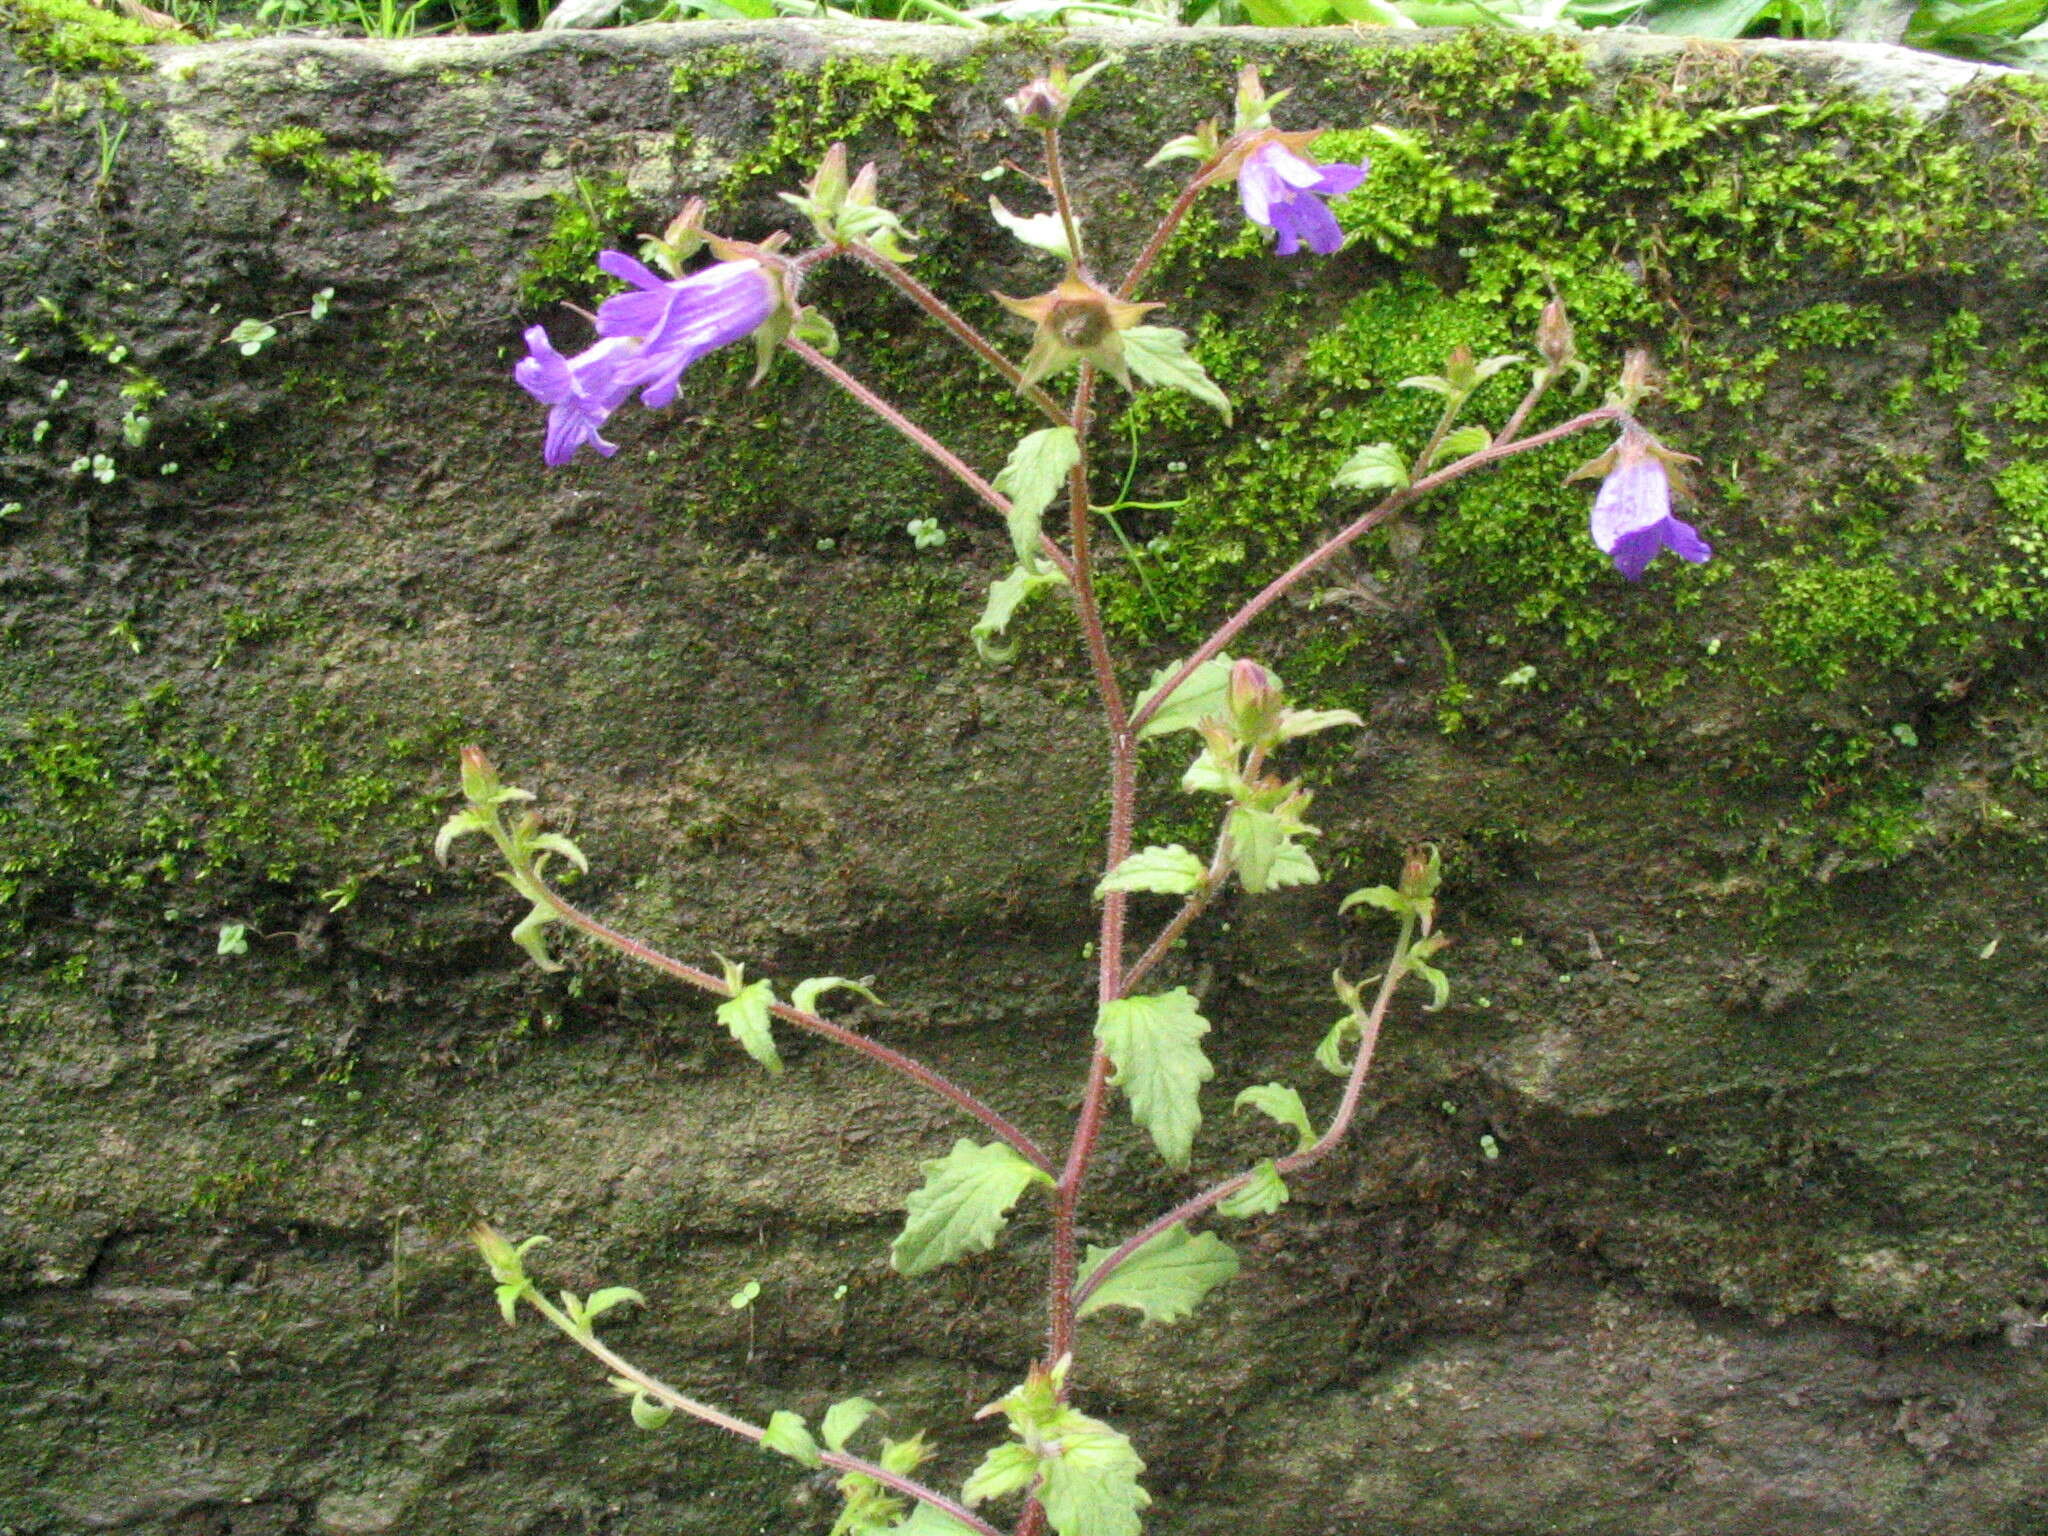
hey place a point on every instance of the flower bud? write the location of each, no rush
(1421, 872)
(479, 778)
(500, 1255)
(1077, 321)
(1554, 335)
(1041, 104)
(1638, 378)
(1255, 701)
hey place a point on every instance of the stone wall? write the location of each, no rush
(1710, 1205)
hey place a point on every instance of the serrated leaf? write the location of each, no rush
(611, 1296)
(746, 1015)
(1040, 231)
(1208, 776)
(843, 1418)
(787, 1436)
(1265, 1194)
(461, 824)
(1090, 1487)
(1204, 695)
(1456, 445)
(924, 1520)
(805, 998)
(1168, 871)
(1264, 853)
(1375, 467)
(1165, 1279)
(1159, 355)
(965, 1198)
(1281, 1103)
(1036, 472)
(1155, 1044)
(1005, 597)
(903, 1457)
(1340, 1037)
(648, 1413)
(1006, 1469)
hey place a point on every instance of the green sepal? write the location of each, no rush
(1155, 1044)
(1036, 472)
(1203, 695)
(1168, 871)
(805, 998)
(1458, 444)
(1159, 355)
(746, 1015)
(1283, 1104)
(1005, 597)
(962, 1205)
(1375, 467)
(787, 1436)
(843, 1418)
(1265, 1194)
(815, 328)
(1165, 1280)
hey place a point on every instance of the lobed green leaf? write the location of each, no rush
(1159, 355)
(1155, 1045)
(1166, 1279)
(962, 1205)
(1266, 1193)
(1168, 871)
(1281, 1103)
(1036, 472)
(787, 1436)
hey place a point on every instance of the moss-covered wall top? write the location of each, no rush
(1712, 1202)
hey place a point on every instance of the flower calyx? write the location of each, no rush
(1044, 103)
(843, 210)
(1076, 322)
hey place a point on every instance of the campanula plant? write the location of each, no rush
(1053, 1466)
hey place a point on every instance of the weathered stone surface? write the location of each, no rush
(1710, 1205)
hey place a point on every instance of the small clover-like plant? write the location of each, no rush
(1060, 1468)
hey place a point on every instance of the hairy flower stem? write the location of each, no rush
(1192, 908)
(887, 1056)
(907, 285)
(1056, 183)
(933, 449)
(667, 1395)
(1280, 585)
(1347, 1110)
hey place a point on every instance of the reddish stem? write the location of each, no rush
(887, 1056)
(1351, 533)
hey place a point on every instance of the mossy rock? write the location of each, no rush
(1729, 1139)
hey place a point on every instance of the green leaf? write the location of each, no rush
(1090, 1486)
(461, 824)
(1006, 1469)
(787, 1435)
(745, 1296)
(1264, 853)
(1266, 1193)
(554, 842)
(611, 1296)
(1375, 467)
(1385, 897)
(1165, 1279)
(1439, 984)
(648, 1412)
(1456, 445)
(805, 998)
(1436, 384)
(233, 940)
(530, 935)
(1283, 1104)
(1041, 231)
(1210, 775)
(1037, 472)
(1159, 355)
(1168, 871)
(1155, 1044)
(845, 1417)
(509, 1294)
(962, 1205)
(924, 1520)
(1005, 597)
(1203, 696)
(1342, 1035)
(1309, 722)
(746, 1015)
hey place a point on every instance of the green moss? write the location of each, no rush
(351, 179)
(597, 214)
(75, 35)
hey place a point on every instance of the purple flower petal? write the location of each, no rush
(580, 392)
(1632, 513)
(1284, 192)
(679, 321)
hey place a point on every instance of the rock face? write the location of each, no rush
(1711, 1204)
